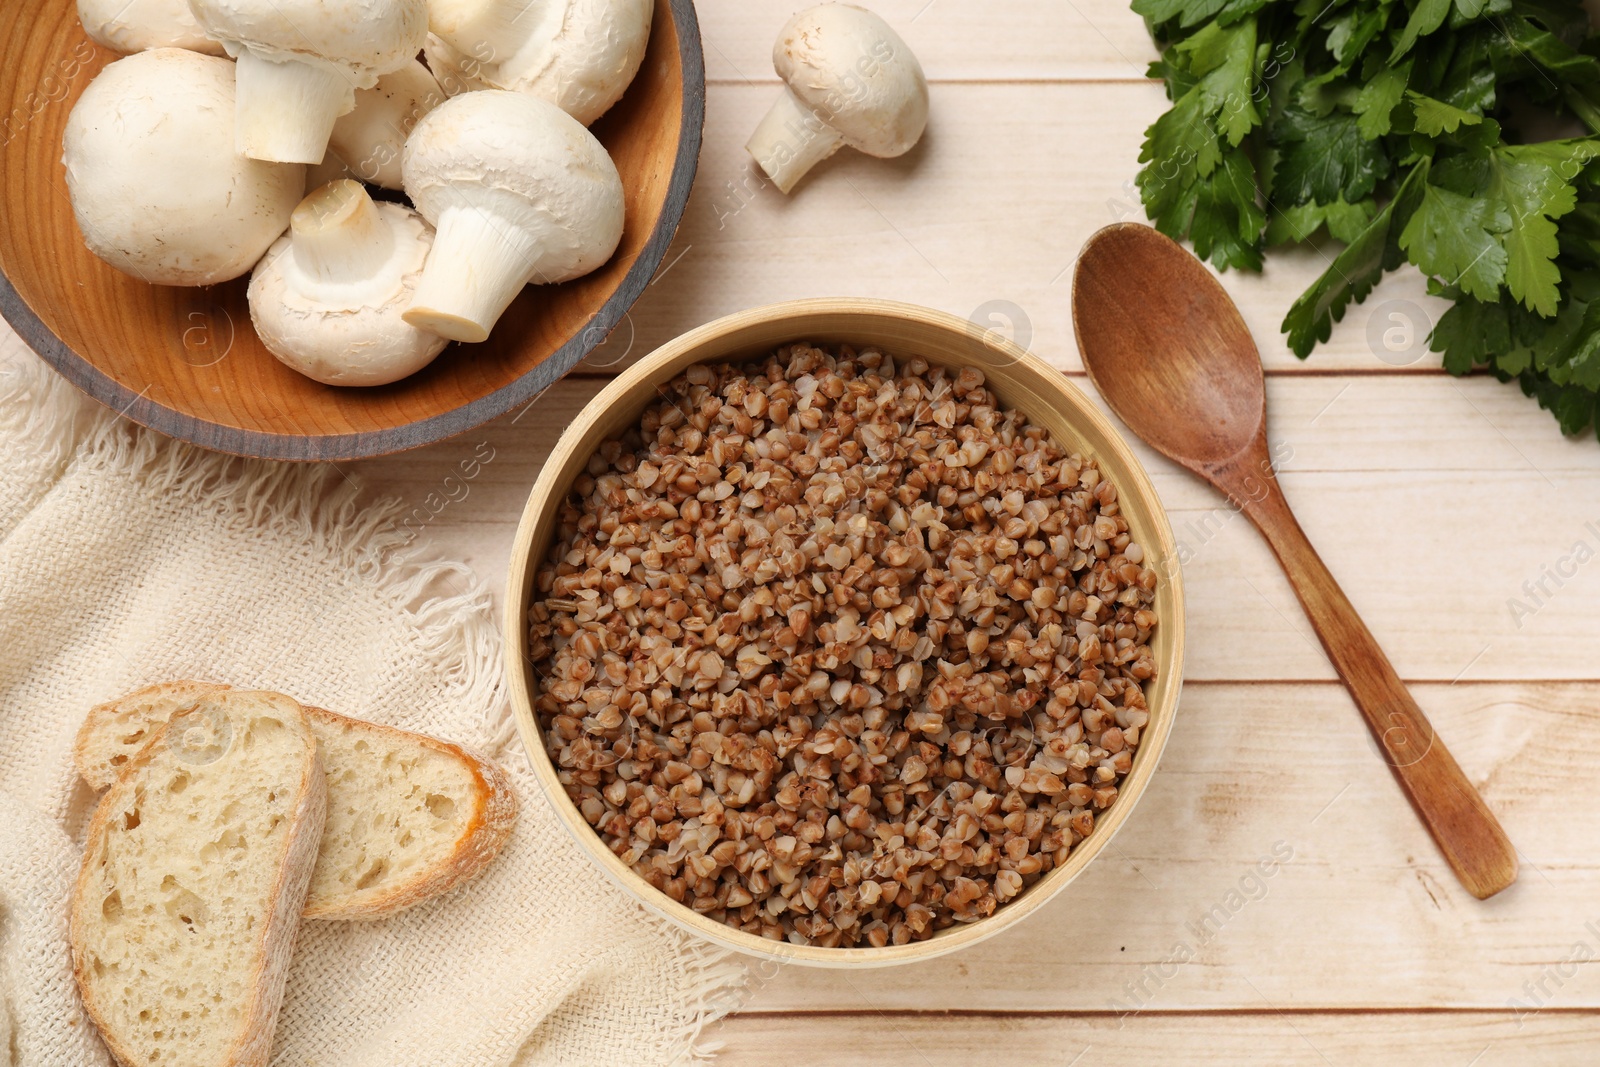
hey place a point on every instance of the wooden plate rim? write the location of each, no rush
(1084, 419)
(256, 443)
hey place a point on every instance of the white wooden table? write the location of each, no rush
(1432, 499)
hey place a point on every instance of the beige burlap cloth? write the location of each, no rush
(126, 559)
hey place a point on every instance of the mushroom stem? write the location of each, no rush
(286, 110)
(790, 140)
(479, 263)
(339, 238)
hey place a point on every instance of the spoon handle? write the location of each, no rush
(1466, 831)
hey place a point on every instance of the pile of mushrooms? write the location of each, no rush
(237, 136)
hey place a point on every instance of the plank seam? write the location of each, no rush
(1093, 1013)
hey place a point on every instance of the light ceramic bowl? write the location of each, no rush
(1022, 381)
(186, 361)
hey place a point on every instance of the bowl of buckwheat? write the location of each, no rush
(844, 632)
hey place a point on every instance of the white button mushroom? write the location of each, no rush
(371, 138)
(849, 79)
(136, 25)
(519, 191)
(578, 54)
(327, 298)
(156, 188)
(301, 62)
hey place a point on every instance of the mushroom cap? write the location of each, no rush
(365, 37)
(854, 71)
(457, 72)
(155, 185)
(136, 25)
(369, 140)
(580, 55)
(309, 328)
(526, 160)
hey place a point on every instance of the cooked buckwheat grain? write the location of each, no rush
(840, 651)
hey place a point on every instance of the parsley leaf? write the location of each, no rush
(1225, 58)
(1457, 238)
(1535, 183)
(1325, 159)
(1470, 333)
(1425, 18)
(1226, 224)
(1434, 117)
(1378, 98)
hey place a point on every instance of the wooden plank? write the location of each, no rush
(983, 219)
(953, 39)
(1417, 491)
(1273, 861)
(1264, 1038)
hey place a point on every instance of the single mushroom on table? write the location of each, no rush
(327, 298)
(301, 62)
(369, 140)
(849, 80)
(578, 54)
(519, 191)
(155, 184)
(137, 25)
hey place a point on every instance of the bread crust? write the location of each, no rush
(276, 938)
(493, 816)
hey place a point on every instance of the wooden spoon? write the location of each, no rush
(1167, 349)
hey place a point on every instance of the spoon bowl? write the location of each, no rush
(1168, 350)
(1204, 399)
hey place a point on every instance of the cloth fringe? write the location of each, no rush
(721, 985)
(44, 416)
(298, 502)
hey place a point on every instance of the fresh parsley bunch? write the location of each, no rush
(1384, 124)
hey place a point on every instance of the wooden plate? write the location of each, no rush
(1022, 381)
(186, 361)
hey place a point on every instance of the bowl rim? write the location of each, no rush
(260, 444)
(666, 362)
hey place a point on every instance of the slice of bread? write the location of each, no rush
(194, 876)
(409, 816)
